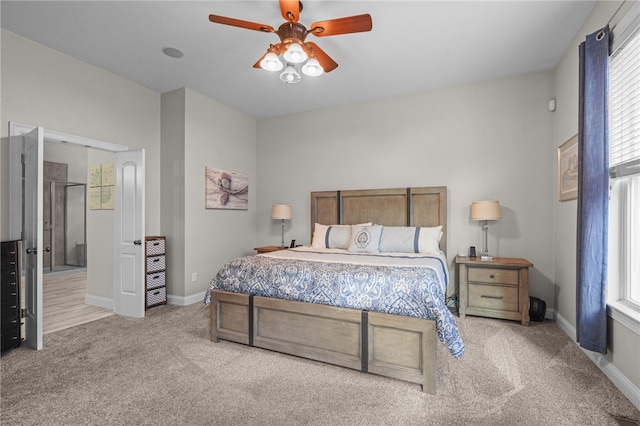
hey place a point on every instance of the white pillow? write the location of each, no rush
(331, 236)
(365, 239)
(429, 240)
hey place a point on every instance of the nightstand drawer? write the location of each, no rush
(497, 297)
(494, 275)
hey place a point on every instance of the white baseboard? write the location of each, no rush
(630, 390)
(185, 301)
(101, 302)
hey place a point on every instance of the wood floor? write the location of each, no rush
(63, 304)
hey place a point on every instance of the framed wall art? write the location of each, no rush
(568, 170)
(225, 189)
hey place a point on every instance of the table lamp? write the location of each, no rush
(282, 212)
(486, 211)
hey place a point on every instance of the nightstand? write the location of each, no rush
(497, 288)
(267, 249)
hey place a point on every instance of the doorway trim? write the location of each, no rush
(15, 166)
(17, 133)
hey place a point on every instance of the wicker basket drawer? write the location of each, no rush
(156, 263)
(496, 297)
(155, 280)
(156, 296)
(154, 247)
(494, 275)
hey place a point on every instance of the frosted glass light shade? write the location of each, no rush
(290, 75)
(271, 62)
(486, 210)
(295, 54)
(312, 68)
(281, 211)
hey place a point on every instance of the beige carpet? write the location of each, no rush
(163, 370)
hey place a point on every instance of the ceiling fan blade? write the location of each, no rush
(350, 24)
(216, 19)
(325, 60)
(290, 10)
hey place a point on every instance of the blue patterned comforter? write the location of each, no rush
(411, 285)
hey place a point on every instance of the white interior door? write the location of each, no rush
(129, 290)
(32, 235)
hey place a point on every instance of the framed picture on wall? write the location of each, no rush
(568, 170)
(225, 189)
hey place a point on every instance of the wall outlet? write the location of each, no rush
(194, 277)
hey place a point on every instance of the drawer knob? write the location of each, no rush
(491, 297)
(492, 276)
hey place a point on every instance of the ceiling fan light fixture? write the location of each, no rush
(312, 68)
(271, 62)
(295, 54)
(290, 75)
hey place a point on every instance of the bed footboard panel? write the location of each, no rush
(402, 348)
(323, 333)
(229, 317)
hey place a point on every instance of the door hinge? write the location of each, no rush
(23, 312)
(22, 159)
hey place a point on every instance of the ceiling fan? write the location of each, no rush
(297, 53)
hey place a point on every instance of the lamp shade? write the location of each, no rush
(312, 68)
(295, 54)
(271, 62)
(290, 75)
(486, 210)
(281, 211)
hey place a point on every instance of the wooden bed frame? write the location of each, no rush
(393, 346)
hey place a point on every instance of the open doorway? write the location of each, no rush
(65, 266)
(118, 283)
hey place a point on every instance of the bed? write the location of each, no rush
(378, 309)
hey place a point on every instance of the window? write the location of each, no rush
(623, 292)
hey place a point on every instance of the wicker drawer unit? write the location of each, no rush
(156, 265)
(497, 288)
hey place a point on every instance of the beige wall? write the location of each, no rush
(483, 141)
(45, 88)
(199, 132)
(624, 343)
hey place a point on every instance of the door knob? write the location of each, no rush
(137, 242)
(33, 250)
(47, 249)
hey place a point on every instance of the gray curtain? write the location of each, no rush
(593, 187)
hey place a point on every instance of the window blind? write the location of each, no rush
(624, 104)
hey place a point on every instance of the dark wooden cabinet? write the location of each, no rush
(156, 269)
(10, 294)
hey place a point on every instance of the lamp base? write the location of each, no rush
(486, 257)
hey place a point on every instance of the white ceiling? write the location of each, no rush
(414, 45)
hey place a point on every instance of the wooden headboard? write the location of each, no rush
(424, 206)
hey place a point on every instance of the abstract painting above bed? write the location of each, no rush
(403, 284)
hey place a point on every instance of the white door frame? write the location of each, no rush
(16, 133)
